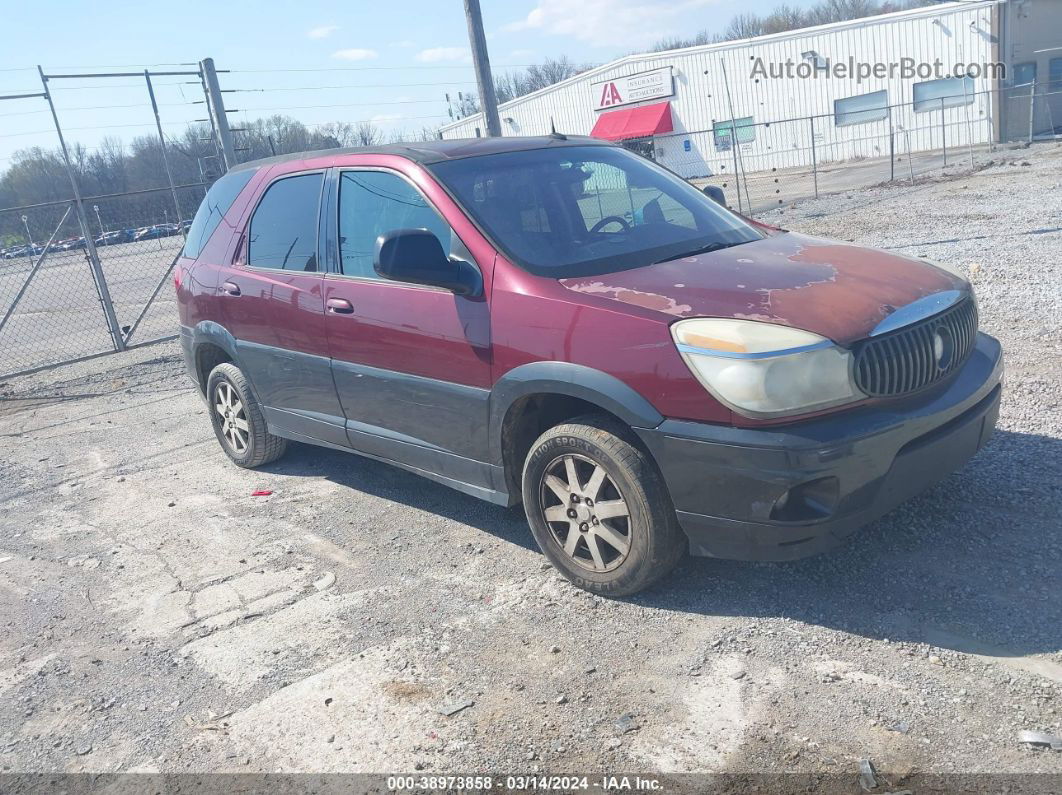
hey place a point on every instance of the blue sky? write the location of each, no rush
(315, 60)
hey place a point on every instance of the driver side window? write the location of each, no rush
(373, 203)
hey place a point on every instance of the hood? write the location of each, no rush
(837, 290)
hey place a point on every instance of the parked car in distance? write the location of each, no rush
(559, 322)
(114, 237)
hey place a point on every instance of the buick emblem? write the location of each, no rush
(942, 347)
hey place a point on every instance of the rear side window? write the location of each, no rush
(217, 202)
(283, 230)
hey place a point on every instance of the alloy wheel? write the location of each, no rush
(586, 513)
(234, 425)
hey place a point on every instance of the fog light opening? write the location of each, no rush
(815, 499)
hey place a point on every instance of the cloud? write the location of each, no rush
(436, 54)
(322, 32)
(406, 43)
(522, 54)
(386, 118)
(354, 54)
(626, 23)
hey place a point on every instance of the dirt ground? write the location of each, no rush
(158, 617)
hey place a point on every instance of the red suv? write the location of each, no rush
(561, 322)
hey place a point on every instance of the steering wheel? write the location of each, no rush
(608, 219)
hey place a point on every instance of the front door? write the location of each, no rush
(273, 299)
(411, 363)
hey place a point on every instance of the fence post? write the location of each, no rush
(892, 149)
(1032, 108)
(737, 173)
(943, 132)
(814, 157)
(162, 143)
(90, 242)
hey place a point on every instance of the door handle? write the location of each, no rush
(340, 306)
(230, 288)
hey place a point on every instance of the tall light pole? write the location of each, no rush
(96, 208)
(29, 237)
(481, 61)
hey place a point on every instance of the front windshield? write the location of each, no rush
(583, 210)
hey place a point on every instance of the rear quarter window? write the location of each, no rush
(217, 202)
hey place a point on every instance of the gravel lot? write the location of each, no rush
(157, 617)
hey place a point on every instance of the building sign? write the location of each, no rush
(633, 88)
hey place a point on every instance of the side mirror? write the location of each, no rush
(416, 256)
(715, 193)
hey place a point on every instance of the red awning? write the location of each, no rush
(619, 125)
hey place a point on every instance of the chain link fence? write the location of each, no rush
(765, 165)
(59, 305)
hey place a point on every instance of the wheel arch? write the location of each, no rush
(212, 344)
(531, 398)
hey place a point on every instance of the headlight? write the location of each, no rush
(765, 370)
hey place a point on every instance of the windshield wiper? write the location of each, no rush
(694, 252)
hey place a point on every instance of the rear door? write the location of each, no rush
(274, 306)
(411, 363)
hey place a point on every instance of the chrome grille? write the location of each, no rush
(916, 356)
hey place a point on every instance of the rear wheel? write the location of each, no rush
(598, 508)
(238, 421)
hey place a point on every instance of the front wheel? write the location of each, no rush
(599, 509)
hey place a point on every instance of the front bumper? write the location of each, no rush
(838, 472)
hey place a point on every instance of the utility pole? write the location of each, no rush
(217, 111)
(481, 60)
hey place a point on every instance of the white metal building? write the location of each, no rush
(686, 108)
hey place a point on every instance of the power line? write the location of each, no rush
(348, 105)
(97, 107)
(155, 83)
(354, 85)
(375, 68)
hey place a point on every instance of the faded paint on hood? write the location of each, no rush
(838, 290)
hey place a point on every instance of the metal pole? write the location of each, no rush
(90, 243)
(29, 237)
(210, 119)
(217, 111)
(481, 60)
(814, 157)
(737, 173)
(96, 209)
(910, 162)
(733, 129)
(1032, 108)
(162, 143)
(892, 149)
(943, 132)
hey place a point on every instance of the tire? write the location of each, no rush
(636, 544)
(228, 387)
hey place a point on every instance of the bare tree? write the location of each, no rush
(367, 134)
(511, 85)
(785, 17)
(743, 26)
